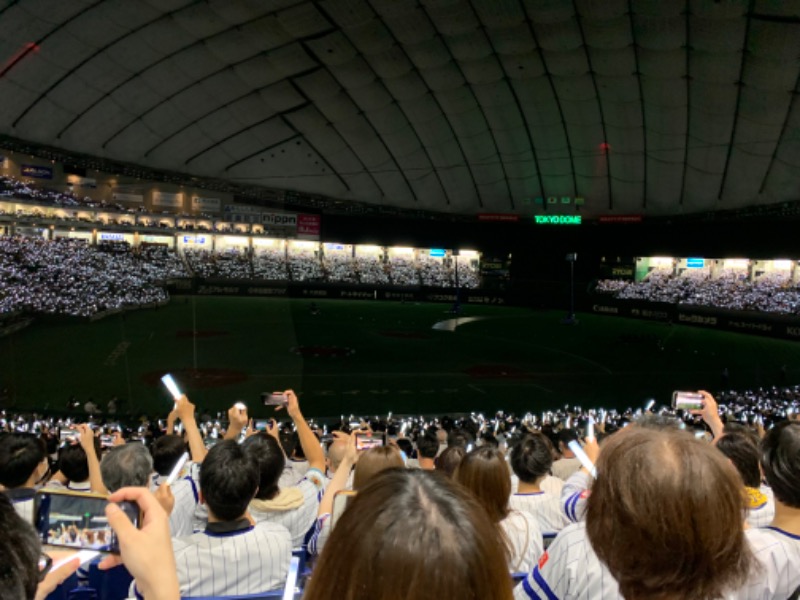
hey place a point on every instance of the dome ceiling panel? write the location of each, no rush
(452, 105)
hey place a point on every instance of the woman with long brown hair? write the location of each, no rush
(485, 473)
(412, 534)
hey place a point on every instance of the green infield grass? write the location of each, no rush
(368, 357)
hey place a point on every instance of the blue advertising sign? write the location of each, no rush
(695, 263)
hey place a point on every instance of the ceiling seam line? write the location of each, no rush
(687, 34)
(641, 99)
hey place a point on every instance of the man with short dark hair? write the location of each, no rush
(427, 449)
(777, 547)
(232, 556)
(567, 464)
(167, 451)
(23, 464)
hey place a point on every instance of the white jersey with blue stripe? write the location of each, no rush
(778, 554)
(544, 507)
(574, 495)
(569, 570)
(185, 492)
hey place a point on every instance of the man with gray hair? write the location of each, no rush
(129, 465)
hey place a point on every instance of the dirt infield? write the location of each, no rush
(496, 372)
(198, 379)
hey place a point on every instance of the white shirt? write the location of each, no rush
(22, 499)
(524, 539)
(301, 519)
(778, 553)
(564, 467)
(250, 560)
(550, 484)
(185, 492)
(544, 507)
(569, 570)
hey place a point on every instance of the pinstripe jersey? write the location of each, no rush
(247, 560)
(575, 494)
(550, 484)
(22, 499)
(778, 553)
(524, 538)
(301, 519)
(569, 570)
(544, 507)
(185, 492)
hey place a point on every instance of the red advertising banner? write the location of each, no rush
(498, 217)
(309, 224)
(620, 218)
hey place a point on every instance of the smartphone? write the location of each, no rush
(365, 441)
(106, 441)
(688, 401)
(270, 399)
(261, 424)
(78, 520)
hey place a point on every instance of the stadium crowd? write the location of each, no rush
(770, 292)
(653, 502)
(70, 277)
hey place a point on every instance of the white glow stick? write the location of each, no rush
(168, 381)
(240, 406)
(581, 456)
(291, 579)
(83, 556)
(650, 404)
(176, 470)
(590, 429)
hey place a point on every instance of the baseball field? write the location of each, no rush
(368, 357)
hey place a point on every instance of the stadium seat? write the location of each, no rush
(60, 593)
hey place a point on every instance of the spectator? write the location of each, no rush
(650, 530)
(567, 464)
(408, 534)
(166, 451)
(427, 449)
(777, 547)
(485, 474)
(447, 462)
(128, 465)
(531, 460)
(744, 455)
(212, 562)
(23, 465)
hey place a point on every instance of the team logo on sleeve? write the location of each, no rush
(543, 560)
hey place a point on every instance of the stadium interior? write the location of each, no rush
(529, 267)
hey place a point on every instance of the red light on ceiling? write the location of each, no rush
(605, 147)
(18, 56)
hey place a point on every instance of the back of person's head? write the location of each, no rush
(129, 465)
(427, 446)
(373, 461)
(532, 458)
(228, 480)
(649, 518)
(484, 472)
(20, 550)
(412, 534)
(744, 455)
(565, 436)
(72, 462)
(267, 454)
(20, 455)
(336, 452)
(166, 451)
(780, 459)
(405, 445)
(447, 462)
(460, 437)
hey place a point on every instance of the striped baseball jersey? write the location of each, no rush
(569, 570)
(550, 484)
(778, 554)
(575, 494)
(185, 492)
(544, 507)
(233, 558)
(301, 513)
(22, 499)
(524, 539)
(761, 506)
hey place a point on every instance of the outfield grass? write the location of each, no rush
(399, 362)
